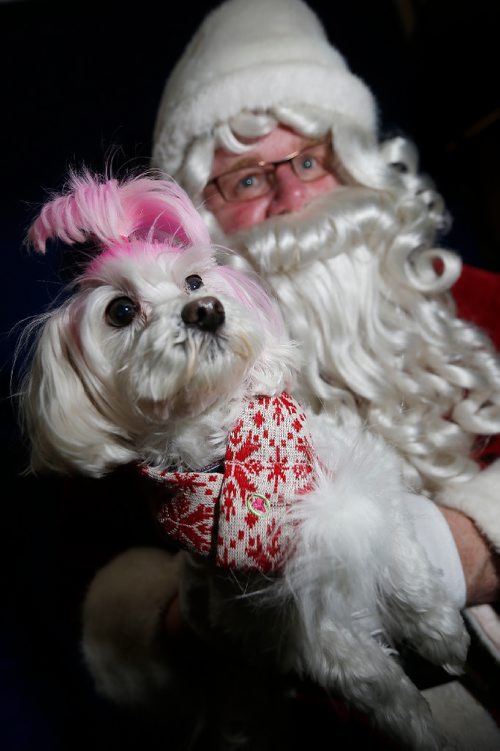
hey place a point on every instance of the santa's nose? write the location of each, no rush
(290, 192)
(207, 313)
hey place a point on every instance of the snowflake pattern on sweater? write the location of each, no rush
(237, 517)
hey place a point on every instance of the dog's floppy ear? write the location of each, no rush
(68, 433)
(110, 213)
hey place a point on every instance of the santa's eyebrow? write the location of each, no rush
(241, 164)
(257, 161)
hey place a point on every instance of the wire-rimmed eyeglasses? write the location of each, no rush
(245, 183)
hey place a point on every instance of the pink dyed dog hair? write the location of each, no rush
(250, 293)
(156, 211)
(109, 212)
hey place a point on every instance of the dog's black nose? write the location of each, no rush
(206, 313)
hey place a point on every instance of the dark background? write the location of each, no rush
(81, 82)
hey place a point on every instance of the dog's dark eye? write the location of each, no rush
(194, 282)
(121, 312)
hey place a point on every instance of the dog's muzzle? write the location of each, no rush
(206, 313)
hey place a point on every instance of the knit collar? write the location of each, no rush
(237, 517)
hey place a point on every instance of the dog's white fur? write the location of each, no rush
(167, 393)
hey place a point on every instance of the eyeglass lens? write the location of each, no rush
(255, 181)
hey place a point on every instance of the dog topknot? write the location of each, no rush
(110, 212)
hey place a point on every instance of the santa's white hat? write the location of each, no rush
(254, 54)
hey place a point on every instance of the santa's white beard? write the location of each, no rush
(349, 272)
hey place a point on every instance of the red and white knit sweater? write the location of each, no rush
(235, 516)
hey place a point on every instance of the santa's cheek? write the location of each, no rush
(235, 216)
(325, 184)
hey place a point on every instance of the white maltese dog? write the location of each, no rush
(295, 531)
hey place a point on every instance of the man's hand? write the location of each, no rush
(481, 564)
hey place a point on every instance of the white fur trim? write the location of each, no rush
(254, 55)
(434, 534)
(479, 499)
(465, 724)
(122, 624)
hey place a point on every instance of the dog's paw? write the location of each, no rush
(416, 609)
(355, 664)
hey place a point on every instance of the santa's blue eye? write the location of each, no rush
(248, 181)
(121, 312)
(193, 282)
